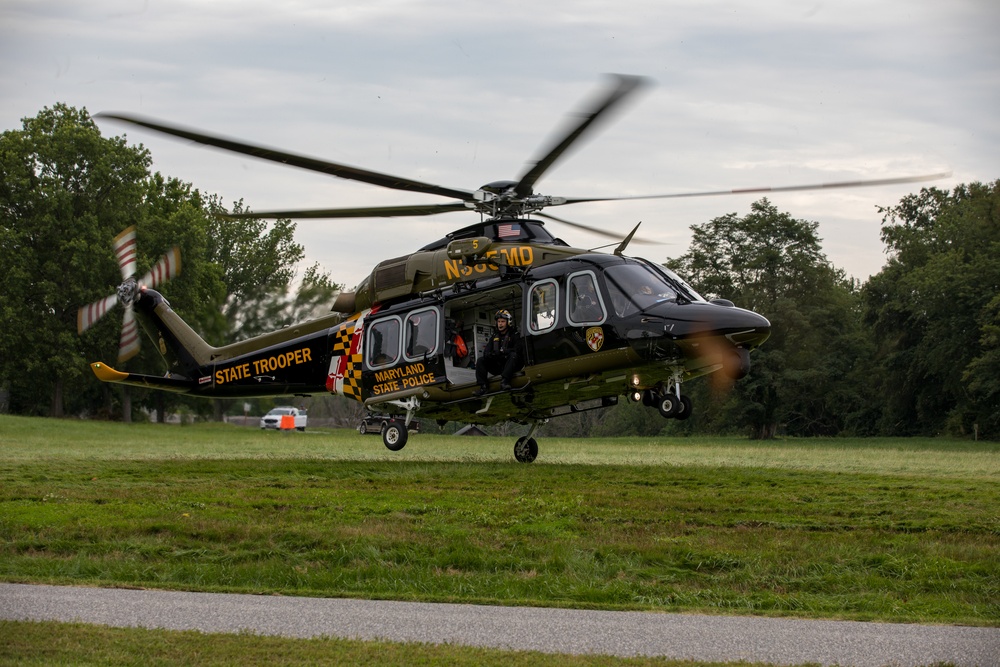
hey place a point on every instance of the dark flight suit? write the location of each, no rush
(501, 356)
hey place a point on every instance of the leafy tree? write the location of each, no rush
(267, 311)
(257, 263)
(933, 309)
(64, 192)
(773, 264)
(983, 372)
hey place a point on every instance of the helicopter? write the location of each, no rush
(594, 326)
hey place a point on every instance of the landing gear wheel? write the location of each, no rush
(394, 435)
(685, 408)
(525, 450)
(668, 405)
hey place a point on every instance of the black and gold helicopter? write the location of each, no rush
(594, 326)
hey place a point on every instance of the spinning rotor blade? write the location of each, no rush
(499, 199)
(783, 188)
(313, 164)
(124, 245)
(624, 85)
(128, 345)
(87, 316)
(593, 230)
(361, 212)
(166, 268)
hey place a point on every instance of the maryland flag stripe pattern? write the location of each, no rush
(344, 377)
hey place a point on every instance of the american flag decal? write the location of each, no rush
(508, 230)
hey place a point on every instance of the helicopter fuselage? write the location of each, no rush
(594, 327)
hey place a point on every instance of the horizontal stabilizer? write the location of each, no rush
(105, 373)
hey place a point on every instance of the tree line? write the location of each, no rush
(915, 350)
(65, 193)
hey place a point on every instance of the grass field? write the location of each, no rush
(38, 644)
(889, 530)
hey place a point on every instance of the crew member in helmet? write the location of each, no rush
(501, 356)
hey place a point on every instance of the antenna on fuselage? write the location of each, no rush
(621, 246)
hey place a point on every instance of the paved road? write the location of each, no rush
(718, 638)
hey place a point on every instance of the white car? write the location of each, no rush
(273, 418)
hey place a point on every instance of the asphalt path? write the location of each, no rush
(710, 638)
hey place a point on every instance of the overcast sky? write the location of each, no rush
(761, 93)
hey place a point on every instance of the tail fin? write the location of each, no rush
(185, 352)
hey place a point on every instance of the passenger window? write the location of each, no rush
(585, 303)
(383, 343)
(421, 334)
(542, 306)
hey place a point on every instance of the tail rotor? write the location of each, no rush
(168, 266)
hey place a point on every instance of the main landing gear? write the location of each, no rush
(394, 433)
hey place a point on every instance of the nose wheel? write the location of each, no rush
(526, 447)
(394, 435)
(525, 450)
(668, 400)
(672, 406)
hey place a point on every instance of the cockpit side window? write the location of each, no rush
(584, 302)
(543, 303)
(383, 343)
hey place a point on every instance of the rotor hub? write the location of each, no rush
(128, 292)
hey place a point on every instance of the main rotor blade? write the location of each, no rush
(623, 86)
(593, 230)
(359, 212)
(783, 188)
(312, 164)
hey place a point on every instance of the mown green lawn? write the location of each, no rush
(37, 644)
(888, 530)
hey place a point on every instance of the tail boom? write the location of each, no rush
(105, 373)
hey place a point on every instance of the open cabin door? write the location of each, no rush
(471, 318)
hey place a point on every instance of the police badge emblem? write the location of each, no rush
(595, 338)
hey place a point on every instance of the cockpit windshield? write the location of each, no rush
(694, 296)
(634, 287)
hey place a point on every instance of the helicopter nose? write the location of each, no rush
(744, 328)
(721, 336)
(714, 332)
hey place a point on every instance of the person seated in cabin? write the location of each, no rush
(455, 346)
(584, 304)
(501, 356)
